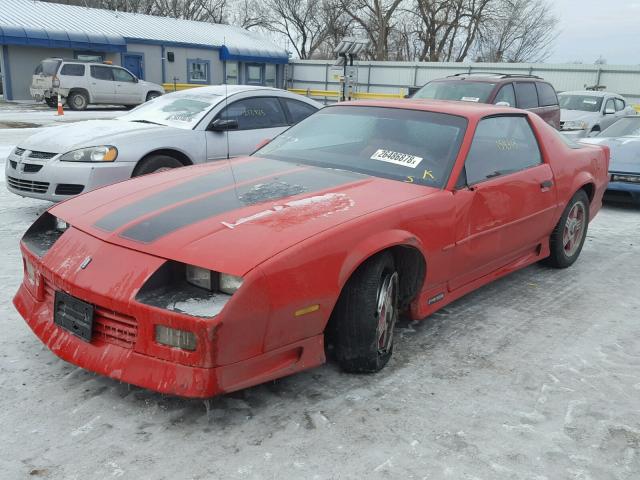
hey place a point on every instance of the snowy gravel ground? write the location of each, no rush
(536, 376)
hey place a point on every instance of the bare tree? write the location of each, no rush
(376, 18)
(518, 31)
(300, 21)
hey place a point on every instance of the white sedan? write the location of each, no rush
(174, 130)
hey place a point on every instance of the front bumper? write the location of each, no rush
(123, 345)
(623, 191)
(56, 181)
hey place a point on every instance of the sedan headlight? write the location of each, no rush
(575, 125)
(103, 153)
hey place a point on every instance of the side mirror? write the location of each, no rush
(219, 125)
(503, 104)
(135, 79)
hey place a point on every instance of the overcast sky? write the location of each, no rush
(590, 28)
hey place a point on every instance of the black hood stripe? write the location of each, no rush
(220, 178)
(275, 188)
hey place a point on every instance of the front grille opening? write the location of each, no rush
(27, 185)
(13, 164)
(32, 167)
(42, 155)
(69, 189)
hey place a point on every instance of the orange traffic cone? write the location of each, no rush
(60, 110)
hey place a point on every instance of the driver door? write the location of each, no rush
(506, 204)
(258, 118)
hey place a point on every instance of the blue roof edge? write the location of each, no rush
(13, 35)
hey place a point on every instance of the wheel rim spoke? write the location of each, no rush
(574, 229)
(387, 312)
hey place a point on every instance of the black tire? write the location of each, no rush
(52, 102)
(77, 101)
(155, 163)
(564, 254)
(358, 341)
(152, 95)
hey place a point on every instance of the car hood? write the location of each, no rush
(230, 216)
(625, 152)
(574, 115)
(90, 133)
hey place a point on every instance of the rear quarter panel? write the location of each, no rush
(573, 168)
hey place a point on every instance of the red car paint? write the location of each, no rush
(290, 258)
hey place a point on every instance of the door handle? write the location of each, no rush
(546, 184)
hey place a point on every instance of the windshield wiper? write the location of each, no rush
(147, 121)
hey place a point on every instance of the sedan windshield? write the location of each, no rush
(464, 90)
(625, 127)
(174, 110)
(585, 103)
(406, 145)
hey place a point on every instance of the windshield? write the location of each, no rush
(464, 90)
(178, 110)
(47, 67)
(585, 103)
(625, 127)
(406, 145)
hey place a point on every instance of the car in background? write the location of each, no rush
(181, 128)
(623, 140)
(82, 83)
(218, 277)
(527, 92)
(588, 112)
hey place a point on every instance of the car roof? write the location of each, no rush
(593, 93)
(491, 77)
(470, 110)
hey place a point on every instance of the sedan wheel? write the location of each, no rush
(365, 316)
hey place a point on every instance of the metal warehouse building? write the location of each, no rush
(158, 49)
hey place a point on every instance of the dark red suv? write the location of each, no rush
(521, 91)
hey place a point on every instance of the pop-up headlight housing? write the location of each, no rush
(189, 290)
(44, 232)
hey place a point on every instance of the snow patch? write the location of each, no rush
(202, 307)
(302, 209)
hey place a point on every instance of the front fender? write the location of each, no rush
(373, 244)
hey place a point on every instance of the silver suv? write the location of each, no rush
(81, 83)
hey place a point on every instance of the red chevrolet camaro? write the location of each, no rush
(217, 277)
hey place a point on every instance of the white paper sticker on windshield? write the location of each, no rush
(398, 158)
(470, 99)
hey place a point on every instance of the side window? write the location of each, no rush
(501, 145)
(619, 104)
(609, 106)
(506, 94)
(121, 75)
(102, 73)
(253, 113)
(72, 70)
(526, 95)
(298, 110)
(546, 94)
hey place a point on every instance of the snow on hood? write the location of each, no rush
(243, 212)
(625, 152)
(90, 133)
(572, 115)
